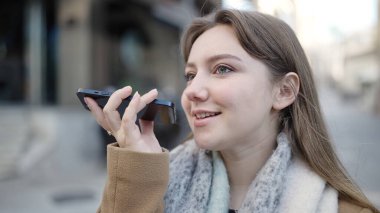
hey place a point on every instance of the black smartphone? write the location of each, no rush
(160, 111)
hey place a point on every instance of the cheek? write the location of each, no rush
(225, 95)
(255, 98)
(185, 103)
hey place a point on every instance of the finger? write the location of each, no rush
(117, 97)
(112, 116)
(147, 98)
(97, 112)
(130, 114)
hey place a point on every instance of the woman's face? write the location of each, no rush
(229, 96)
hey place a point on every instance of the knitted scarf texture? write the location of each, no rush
(199, 183)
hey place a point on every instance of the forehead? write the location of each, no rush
(220, 39)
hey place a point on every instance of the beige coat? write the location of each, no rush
(137, 182)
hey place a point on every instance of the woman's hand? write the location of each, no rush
(125, 130)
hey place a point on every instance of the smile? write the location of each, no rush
(203, 115)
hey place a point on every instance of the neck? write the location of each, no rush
(243, 164)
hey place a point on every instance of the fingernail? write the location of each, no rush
(136, 94)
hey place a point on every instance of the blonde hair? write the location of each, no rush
(273, 42)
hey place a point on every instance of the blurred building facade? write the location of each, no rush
(49, 49)
(359, 74)
(354, 69)
(377, 93)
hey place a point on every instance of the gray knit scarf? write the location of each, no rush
(199, 183)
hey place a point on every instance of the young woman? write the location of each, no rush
(259, 142)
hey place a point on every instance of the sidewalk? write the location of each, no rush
(68, 172)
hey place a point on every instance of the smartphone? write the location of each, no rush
(160, 111)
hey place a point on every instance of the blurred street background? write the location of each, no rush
(52, 153)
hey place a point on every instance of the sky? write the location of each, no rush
(347, 16)
(238, 4)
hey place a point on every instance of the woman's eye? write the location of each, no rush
(189, 76)
(223, 70)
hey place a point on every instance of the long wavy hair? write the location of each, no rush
(273, 42)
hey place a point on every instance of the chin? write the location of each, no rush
(204, 143)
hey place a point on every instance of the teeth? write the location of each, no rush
(204, 114)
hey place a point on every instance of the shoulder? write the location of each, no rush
(346, 207)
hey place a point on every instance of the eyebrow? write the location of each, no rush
(216, 58)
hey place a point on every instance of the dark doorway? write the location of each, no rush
(12, 70)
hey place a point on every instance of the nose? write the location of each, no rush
(197, 89)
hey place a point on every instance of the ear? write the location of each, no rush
(286, 91)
